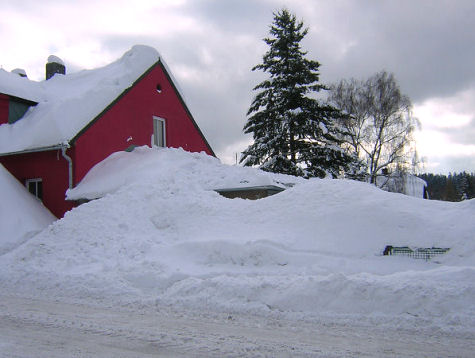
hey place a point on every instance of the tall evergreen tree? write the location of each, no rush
(293, 132)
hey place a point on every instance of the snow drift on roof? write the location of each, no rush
(20, 71)
(66, 104)
(14, 85)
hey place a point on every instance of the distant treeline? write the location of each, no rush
(454, 187)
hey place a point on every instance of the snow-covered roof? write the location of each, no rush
(20, 71)
(402, 183)
(66, 104)
(13, 84)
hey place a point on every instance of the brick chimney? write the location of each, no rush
(53, 66)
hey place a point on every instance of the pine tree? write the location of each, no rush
(450, 193)
(293, 133)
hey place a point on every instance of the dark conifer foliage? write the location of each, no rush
(293, 132)
(454, 187)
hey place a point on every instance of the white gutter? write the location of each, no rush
(34, 150)
(64, 147)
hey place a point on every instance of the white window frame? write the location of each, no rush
(35, 181)
(159, 130)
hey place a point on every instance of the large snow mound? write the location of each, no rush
(21, 215)
(160, 234)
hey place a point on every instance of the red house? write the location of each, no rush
(54, 131)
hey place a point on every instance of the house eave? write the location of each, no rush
(31, 102)
(256, 187)
(35, 150)
(23, 100)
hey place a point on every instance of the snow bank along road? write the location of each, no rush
(38, 328)
(300, 273)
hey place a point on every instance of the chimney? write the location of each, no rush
(55, 65)
(20, 72)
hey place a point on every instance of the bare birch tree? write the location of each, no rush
(378, 121)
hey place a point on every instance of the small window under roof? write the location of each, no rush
(35, 187)
(16, 110)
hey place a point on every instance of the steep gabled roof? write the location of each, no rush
(68, 104)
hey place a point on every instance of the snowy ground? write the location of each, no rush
(51, 329)
(162, 265)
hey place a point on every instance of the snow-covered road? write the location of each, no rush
(40, 328)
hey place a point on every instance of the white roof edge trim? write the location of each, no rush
(34, 150)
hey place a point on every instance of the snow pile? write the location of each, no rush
(21, 215)
(169, 166)
(160, 234)
(66, 104)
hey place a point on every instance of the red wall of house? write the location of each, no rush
(52, 168)
(130, 122)
(3, 108)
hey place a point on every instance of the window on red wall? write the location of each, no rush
(159, 132)
(35, 187)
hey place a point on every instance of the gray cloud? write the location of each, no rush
(28, 4)
(231, 16)
(216, 87)
(462, 135)
(427, 44)
(452, 164)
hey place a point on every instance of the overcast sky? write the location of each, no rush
(211, 46)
